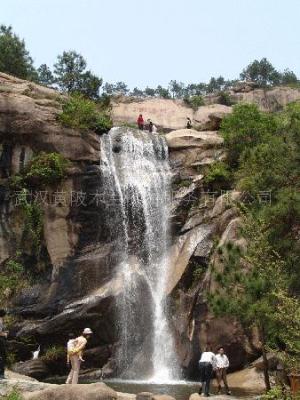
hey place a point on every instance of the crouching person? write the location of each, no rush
(207, 365)
(74, 355)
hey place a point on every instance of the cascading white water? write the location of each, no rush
(136, 189)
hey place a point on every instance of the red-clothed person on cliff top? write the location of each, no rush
(140, 122)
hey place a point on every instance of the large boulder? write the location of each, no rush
(21, 383)
(93, 391)
(34, 368)
(248, 379)
(273, 361)
(187, 138)
(28, 116)
(270, 100)
(168, 114)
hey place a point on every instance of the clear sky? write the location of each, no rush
(150, 42)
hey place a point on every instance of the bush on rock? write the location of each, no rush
(81, 113)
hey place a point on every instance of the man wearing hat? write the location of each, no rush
(75, 353)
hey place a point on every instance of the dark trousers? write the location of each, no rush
(141, 127)
(206, 370)
(2, 356)
(221, 375)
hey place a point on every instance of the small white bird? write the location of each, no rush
(35, 354)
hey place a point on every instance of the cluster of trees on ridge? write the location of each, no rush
(70, 74)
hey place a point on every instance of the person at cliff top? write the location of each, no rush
(207, 364)
(3, 336)
(221, 370)
(140, 122)
(150, 126)
(189, 123)
(75, 355)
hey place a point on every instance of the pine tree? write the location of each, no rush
(14, 57)
(254, 289)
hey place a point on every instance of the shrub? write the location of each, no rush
(276, 393)
(218, 176)
(198, 273)
(194, 101)
(14, 395)
(81, 113)
(225, 99)
(45, 169)
(54, 353)
(245, 128)
(33, 224)
(103, 123)
(12, 278)
(269, 164)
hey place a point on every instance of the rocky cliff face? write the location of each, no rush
(75, 284)
(172, 114)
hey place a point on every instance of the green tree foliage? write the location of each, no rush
(12, 277)
(81, 113)
(89, 85)
(194, 101)
(149, 92)
(72, 77)
(288, 77)
(116, 89)
(254, 287)
(14, 57)
(13, 395)
(269, 164)
(137, 92)
(262, 72)
(245, 128)
(45, 76)
(54, 353)
(33, 222)
(225, 98)
(45, 169)
(162, 92)
(177, 89)
(263, 150)
(215, 84)
(261, 288)
(218, 176)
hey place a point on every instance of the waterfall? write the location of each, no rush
(136, 192)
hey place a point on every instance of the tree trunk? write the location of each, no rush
(265, 362)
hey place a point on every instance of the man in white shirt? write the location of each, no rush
(221, 369)
(207, 364)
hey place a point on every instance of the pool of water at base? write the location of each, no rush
(180, 390)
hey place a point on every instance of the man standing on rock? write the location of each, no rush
(3, 336)
(221, 371)
(75, 355)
